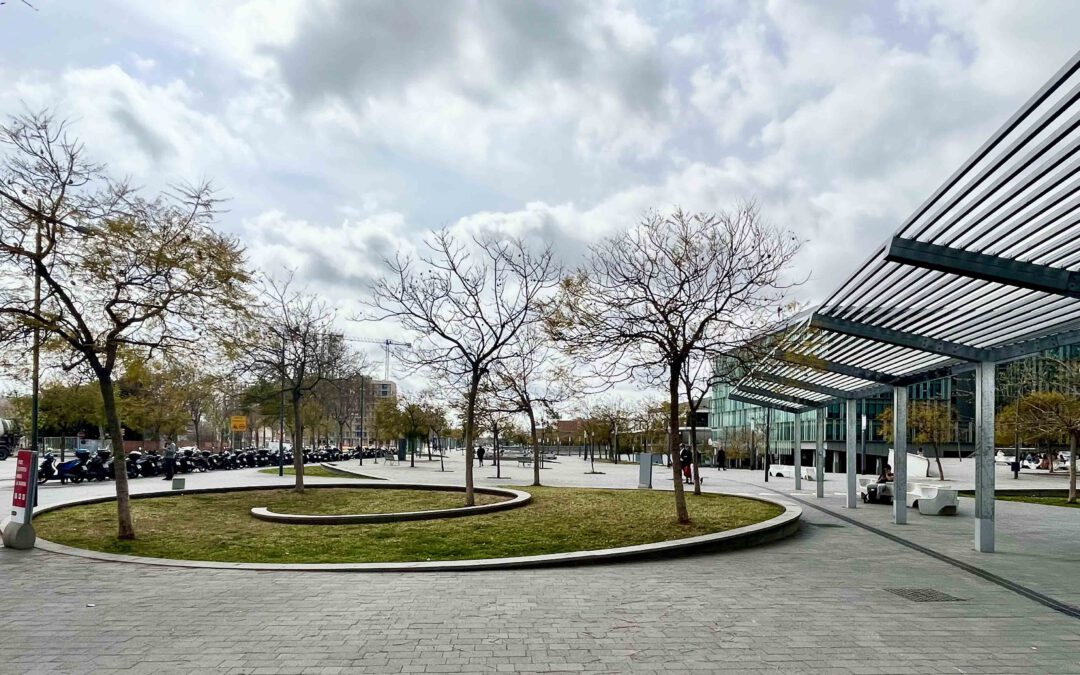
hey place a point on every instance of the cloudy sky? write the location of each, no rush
(341, 131)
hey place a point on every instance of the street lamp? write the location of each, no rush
(21, 535)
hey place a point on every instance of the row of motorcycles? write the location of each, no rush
(101, 466)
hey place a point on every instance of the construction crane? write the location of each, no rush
(387, 344)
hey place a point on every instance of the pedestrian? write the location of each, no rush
(170, 460)
(480, 455)
(721, 457)
(686, 459)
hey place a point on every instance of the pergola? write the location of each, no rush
(986, 270)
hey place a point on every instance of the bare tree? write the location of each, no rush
(649, 297)
(464, 304)
(119, 274)
(533, 379)
(295, 344)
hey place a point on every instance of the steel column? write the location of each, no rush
(796, 450)
(984, 457)
(852, 448)
(900, 420)
(819, 453)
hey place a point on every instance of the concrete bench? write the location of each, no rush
(884, 491)
(782, 470)
(933, 500)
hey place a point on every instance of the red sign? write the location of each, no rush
(22, 479)
(22, 497)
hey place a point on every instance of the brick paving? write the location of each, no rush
(812, 603)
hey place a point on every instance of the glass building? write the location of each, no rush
(744, 430)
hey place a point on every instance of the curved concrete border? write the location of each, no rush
(517, 499)
(774, 529)
(330, 466)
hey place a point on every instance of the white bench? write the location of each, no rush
(884, 491)
(782, 470)
(933, 500)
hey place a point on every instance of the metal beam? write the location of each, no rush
(818, 363)
(801, 384)
(1035, 346)
(899, 338)
(763, 404)
(801, 402)
(983, 266)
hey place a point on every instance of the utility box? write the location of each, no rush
(178, 483)
(645, 462)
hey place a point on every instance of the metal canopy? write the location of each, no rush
(987, 269)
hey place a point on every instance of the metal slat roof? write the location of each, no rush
(1005, 228)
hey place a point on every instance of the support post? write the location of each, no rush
(851, 440)
(819, 453)
(796, 450)
(984, 457)
(900, 418)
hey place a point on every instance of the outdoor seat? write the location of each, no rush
(809, 473)
(782, 470)
(880, 493)
(933, 500)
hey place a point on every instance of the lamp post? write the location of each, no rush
(363, 387)
(281, 416)
(21, 535)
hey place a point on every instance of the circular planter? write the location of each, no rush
(515, 499)
(782, 526)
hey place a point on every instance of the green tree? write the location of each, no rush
(930, 423)
(121, 276)
(1056, 415)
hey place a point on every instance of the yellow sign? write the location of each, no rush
(238, 423)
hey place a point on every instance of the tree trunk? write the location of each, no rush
(1072, 469)
(126, 528)
(198, 442)
(673, 444)
(470, 437)
(536, 447)
(298, 442)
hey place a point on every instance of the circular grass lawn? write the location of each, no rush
(219, 527)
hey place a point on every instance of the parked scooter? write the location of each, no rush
(72, 470)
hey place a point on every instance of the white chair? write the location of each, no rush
(809, 473)
(933, 500)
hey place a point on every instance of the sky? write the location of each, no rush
(341, 131)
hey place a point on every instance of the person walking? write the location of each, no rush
(170, 460)
(686, 460)
(480, 454)
(721, 458)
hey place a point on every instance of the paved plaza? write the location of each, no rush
(816, 602)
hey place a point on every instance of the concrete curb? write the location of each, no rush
(774, 529)
(517, 499)
(329, 466)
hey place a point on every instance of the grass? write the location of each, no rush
(319, 471)
(219, 527)
(1046, 501)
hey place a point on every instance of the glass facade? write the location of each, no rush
(740, 427)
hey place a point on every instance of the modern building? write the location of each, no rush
(741, 428)
(364, 421)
